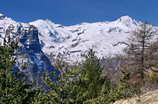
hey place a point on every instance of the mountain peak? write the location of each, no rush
(126, 20)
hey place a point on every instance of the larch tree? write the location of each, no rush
(139, 48)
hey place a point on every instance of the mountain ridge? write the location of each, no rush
(73, 41)
(77, 39)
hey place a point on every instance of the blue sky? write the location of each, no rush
(68, 12)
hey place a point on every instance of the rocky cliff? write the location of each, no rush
(30, 60)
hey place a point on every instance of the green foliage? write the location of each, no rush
(91, 79)
(12, 91)
(111, 93)
(81, 83)
(6, 54)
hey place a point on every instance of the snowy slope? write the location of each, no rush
(76, 40)
(73, 41)
(6, 22)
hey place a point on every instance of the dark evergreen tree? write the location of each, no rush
(12, 90)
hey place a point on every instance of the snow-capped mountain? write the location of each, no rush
(72, 41)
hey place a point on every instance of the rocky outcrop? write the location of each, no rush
(148, 98)
(30, 59)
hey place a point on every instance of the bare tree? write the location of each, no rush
(139, 47)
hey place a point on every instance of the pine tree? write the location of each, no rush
(12, 90)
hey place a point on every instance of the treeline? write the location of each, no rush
(92, 81)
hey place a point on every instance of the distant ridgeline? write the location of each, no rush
(30, 60)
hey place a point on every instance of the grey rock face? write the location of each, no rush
(30, 60)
